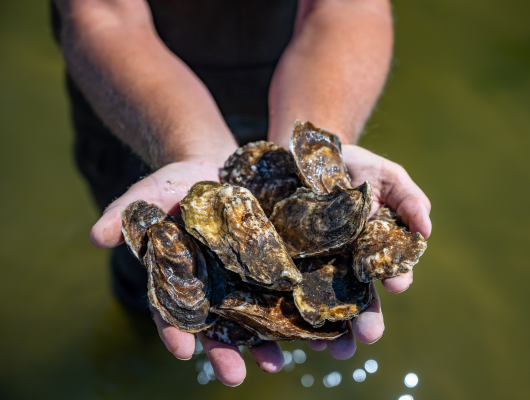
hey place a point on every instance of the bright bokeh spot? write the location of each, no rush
(370, 366)
(359, 375)
(411, 380)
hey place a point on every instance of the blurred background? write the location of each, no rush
(455, 114)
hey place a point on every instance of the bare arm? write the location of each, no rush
(148, 97)
(334, 68)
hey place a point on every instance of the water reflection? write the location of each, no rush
(308, 380)
(288, 361)
(333, 379)
(299, 356)
(202, 378)
(359, 375)
(370, 366)
(406, 397)
(411, 380)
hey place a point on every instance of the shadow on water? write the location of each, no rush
(454, 114)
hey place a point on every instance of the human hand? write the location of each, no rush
(391, 185)
(166, 188)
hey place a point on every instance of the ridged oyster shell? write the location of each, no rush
(314, 224)
(318, 157)
(329, 290)
(229, 220)
(274, 317)
(232, 333)
(264, 168)
(385, 249)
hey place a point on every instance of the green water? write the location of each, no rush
(455, 113)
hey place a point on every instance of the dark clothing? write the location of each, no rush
(233, 46)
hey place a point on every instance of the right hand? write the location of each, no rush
(166, 188)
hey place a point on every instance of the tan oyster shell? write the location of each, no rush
(385, 249)
(314, 224)
(318, 157)
(274, 317)
(232, 333)
(230, 221)
(184, 280)
(264, 168)
(329, 289)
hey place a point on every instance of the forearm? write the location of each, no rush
(334, 68)
(148, 97)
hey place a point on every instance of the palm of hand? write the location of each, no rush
(167, 187)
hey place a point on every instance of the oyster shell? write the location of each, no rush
(313, 224)
(264, 168)
(232, 333)
(385, 249)
(318, 157)
(136, 220)
(230, 221)
(274, 317)
(329, 289)
(184, 280)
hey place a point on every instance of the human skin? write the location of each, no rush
(331, 73)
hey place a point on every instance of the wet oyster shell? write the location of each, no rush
(314, 224)
(329, 289)
(274, 317)
(232, 333)
(184, 279)
(318, 157)
(230, 221)
(385, 249)
(264, 168)
(137, 218)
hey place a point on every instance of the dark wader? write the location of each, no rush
(233, 46)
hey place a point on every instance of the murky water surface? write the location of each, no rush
(455, 113)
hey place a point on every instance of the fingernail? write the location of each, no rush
(403, 290)
(226, 384)
(375, 340)
(183, 359)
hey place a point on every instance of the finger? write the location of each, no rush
(269, 356)
(400, 192)
(227, 362)
(369, 326)
(343, 347)
(398, 284)
(317, 345)
(180, 344)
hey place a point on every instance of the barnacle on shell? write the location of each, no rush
(274, 317)
(230, 221)
(264, 168)
(184, 280)
(385, 249)
(329, 289)
(318, 157)
(314, 224)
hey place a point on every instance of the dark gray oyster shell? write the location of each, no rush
(184, 279)
(264, 168)
(232, 333)
(329, 289)
(229, 220)
(314, 224)
(318, 157)
(274, 317)
(385, 249)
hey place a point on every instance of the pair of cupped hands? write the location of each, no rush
(391, 185)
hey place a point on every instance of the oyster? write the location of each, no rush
(264, 168)
(232, 333)
(137, 218)
(313, 224)
(274, 317)
(318, 157)
(184, 280)
(230, 221)
(329, 289)
(385, 249)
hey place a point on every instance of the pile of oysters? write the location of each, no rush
(282, 249)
